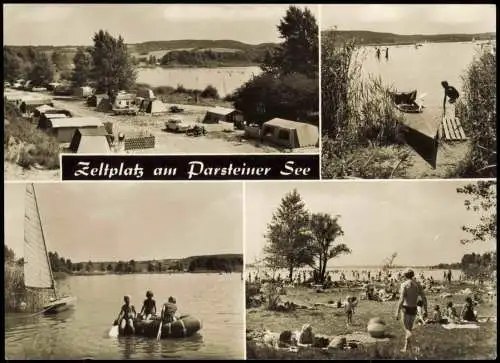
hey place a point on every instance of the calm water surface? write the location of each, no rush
(409, 68)
(217, 300)
(225, 79)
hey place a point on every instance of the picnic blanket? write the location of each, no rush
(451, 326)
(364, 338)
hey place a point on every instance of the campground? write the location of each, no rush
(433, 341)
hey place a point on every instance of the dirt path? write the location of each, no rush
(13, 172)
(448, 158)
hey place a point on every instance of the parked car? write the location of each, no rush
(176, 125)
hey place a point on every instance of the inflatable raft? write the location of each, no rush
(183, 327)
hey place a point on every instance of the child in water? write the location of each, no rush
(350, 305)
(168, 311)
(148, 307)
(127, 315)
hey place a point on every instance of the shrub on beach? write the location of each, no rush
(38, 147)
(359, 121)
(478, 115)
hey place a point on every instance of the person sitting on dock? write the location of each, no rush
(450, 93)
(148, 307)
(168, 311)
(127, 315)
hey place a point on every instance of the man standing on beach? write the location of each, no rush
(452, 95)
(409, 294)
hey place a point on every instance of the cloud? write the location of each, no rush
(242, 12)
(39, 13)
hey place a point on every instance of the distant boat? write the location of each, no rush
(37, 270)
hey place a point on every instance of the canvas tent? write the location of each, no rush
(64, 128)
(90, 141)
(82, 91)
(95, 99)
(146, 94)
(104, 105)
(290, 134)
(153, 107)
(216, 114)
(44, 119)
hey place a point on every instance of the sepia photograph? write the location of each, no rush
(408, 91)
(157, 79)
(371, 270)
(124, 271)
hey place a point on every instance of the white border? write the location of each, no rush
(320, 111)
(244, 240)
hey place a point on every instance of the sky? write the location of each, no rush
(410, 19)
(124, 221)
(75, 24)
(420, 221)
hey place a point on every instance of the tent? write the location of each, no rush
(90, 141)
(64, 128)
(42, 109)
(82, 91)
(94, 100)
(104, 105)
(291, 134)
(146, 94)
(216, 114)
(153, 107)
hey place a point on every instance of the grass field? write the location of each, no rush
(433, 341)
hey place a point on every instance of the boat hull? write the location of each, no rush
(59, 305)
(183, 327)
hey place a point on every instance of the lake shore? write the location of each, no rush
(434, 341)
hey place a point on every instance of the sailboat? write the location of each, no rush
(37, 270)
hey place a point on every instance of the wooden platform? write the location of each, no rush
(451, 129)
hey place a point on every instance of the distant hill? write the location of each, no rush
(228, 52)
(375, 38)
(216, 263)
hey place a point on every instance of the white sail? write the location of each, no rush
(37, 272)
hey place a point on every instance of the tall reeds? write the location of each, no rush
(15, 292)
(359, 121)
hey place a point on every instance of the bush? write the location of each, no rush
(39, 148)
(477, 112)
(210, 92)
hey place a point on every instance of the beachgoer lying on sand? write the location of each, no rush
(468, 313)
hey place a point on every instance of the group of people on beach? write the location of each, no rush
(378, 52)
(128, 314)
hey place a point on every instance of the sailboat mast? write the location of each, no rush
(44, 244)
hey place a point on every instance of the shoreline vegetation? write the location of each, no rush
(364, 134)
(15, 291)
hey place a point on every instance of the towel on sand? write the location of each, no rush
(460, 326)
(364, 338)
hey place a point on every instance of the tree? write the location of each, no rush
(287, 235)
(12, 65)
(131, 266)
(151, 267)
(42, 72)
(299, 52)
(60, 60)
(83, 67)
(482, 199)
(325, 229)
(119, 267)
(9, 255)
(109, 268)
(112, 68)
(103, 267)
(159, 267)
(90, 266)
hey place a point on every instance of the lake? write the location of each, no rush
(436, 274)
(83, 333)
(422, 69)
(225, 79)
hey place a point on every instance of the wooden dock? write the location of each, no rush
(451, 129)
